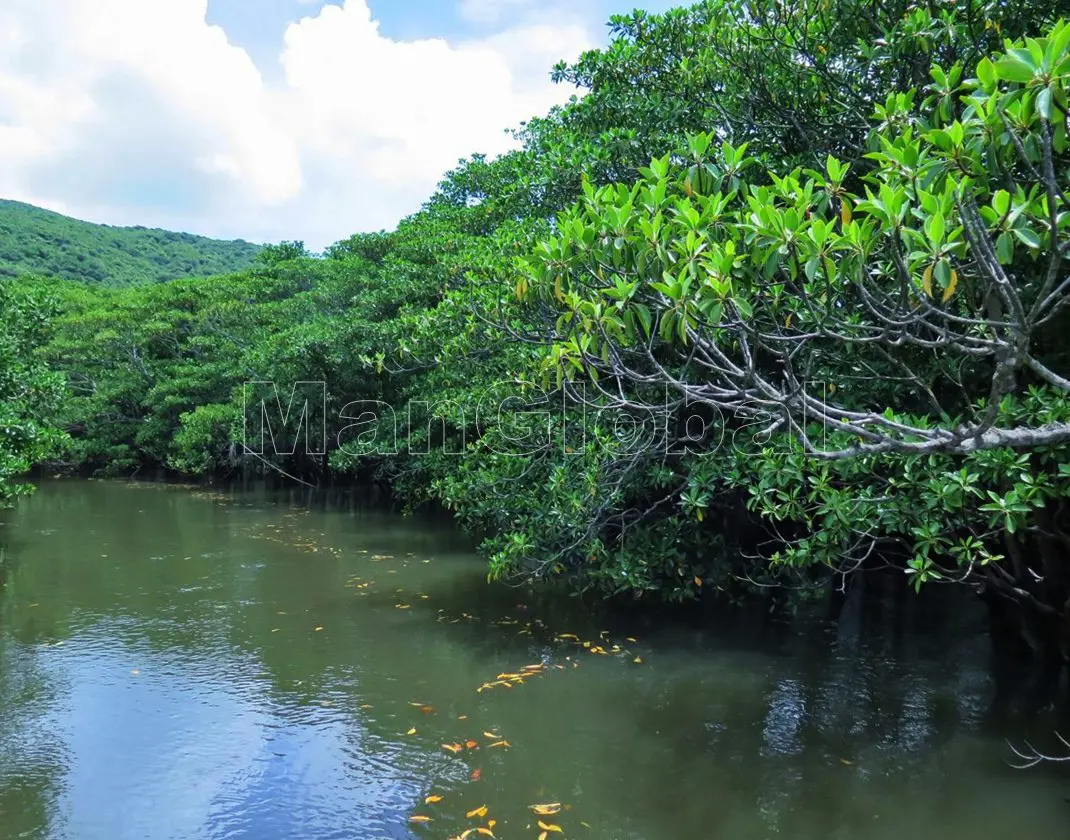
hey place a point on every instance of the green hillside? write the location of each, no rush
(36, 241)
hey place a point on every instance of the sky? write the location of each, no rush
(270, 119)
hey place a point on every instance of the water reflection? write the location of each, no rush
(190, 664)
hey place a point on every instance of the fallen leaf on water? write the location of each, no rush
(367, 706)
(462, 717)
(550, 827)
(275, 630)
(544, 835)
(477, 774)
(419, 819)
(585, 825)
(401, 606)
(485, 831)
(630, 639)
(491, 823)
(135, 672)
(427, 709)
(501, 744)
(492, 736)
(568, 636)
(548, 809)
(471, 744)
(318, 629)
(480, 812)
(845, 761)
(453, 748)
(411, 731)
(638, 660)
(431, 800)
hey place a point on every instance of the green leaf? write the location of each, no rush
(1044, 103)
(1014, 70)
(1028, 237)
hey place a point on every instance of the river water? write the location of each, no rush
(182, 663)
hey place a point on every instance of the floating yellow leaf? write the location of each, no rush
(318, 629)
(845, 761)
(544, 835)
(501, 744)
(420, 819)
(480, 812)
(492, 736)
(549, 809)
(550, 827)
(485, 831)
(453, 748)
(427, 709)
(471, 744)
(401, 606)
(411, 731)
(431, 800)
(638, 660)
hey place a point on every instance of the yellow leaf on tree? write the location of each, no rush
(698, 581)
(951, 286)
(845, 212)
(927, 281)
(480, 812)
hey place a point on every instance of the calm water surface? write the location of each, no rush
(178, 663)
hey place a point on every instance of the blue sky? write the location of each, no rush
(269, 119)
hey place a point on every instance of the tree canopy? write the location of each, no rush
(781, 297)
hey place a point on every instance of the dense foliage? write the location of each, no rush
(29, 392)
(784, 295)
(36, 241)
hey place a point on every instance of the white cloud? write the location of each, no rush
(135, 112)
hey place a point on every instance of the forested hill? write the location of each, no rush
(36, 241)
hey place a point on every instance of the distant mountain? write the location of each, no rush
(36, 241)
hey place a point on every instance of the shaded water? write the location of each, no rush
(189, 664)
